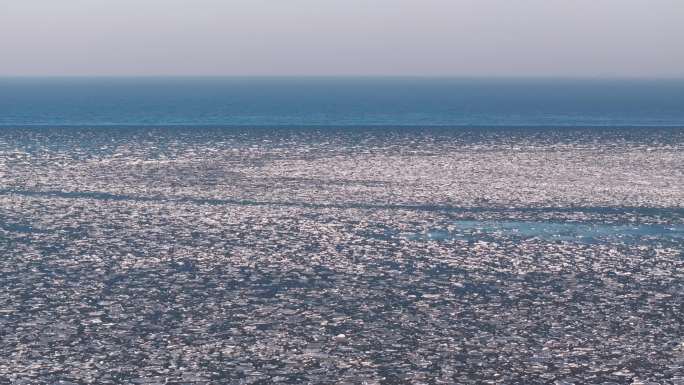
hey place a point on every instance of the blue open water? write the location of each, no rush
(340, 102)
(550, 231)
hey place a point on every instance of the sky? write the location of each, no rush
(566, 38)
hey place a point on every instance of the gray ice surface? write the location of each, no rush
(180, 256)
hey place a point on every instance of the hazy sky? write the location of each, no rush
(641, 38)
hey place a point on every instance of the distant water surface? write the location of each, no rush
(339, 101)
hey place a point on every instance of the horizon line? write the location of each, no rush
(344, 76)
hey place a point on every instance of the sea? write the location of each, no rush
(365, 230)
(326, 102)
